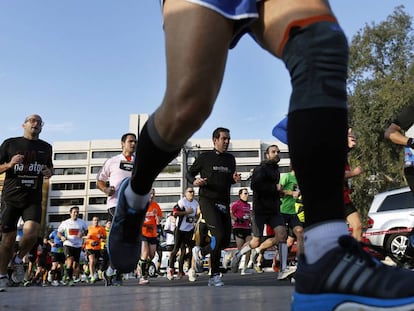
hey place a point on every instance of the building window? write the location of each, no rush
(172, 168)
(284, 155)
(93, 185)
(66, 202)
(245, 153)
(60, 217)
(167, 199)
(69, 186)
(70, 171)
(105, 154)
(71, 156)
(97, 200)
(95, 169)
(101, 216)
(166, 183)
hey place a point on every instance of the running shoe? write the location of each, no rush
(55, 283)
(143, 280)
(245, 271)
(50, 276)
(18, 272)
(258, 268)
(235, 262)
(192, 275)
(170, 273)
(124, 237)
(4, 283)
(285, 273)
(348, 278)
(215, 281)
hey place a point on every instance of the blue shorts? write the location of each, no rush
(244, 12)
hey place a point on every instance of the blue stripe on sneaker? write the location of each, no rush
(329, 302)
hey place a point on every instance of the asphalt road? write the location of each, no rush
(255, 292)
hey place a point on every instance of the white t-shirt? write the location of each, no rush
(73, 231)
(115, 170)
(188, 221)
(170, 224)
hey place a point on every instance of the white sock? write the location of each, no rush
(245, 249)
(283, 255)
(322, 238)
(135, 200)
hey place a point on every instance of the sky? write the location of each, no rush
(86, 65)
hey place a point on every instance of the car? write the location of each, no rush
(390, 222)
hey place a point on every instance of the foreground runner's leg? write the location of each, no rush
(195, 69)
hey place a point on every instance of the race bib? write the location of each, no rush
(126, 166)
(27, 182)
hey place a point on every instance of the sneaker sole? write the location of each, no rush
(285, 275)
(338, 302)
(124, 237)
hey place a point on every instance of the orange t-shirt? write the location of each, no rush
(94, 241)
(149, 228)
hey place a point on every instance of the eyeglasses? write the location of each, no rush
(245, 193)
(190, 191)
(33, 121)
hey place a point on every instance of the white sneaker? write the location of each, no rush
(55, 283)
(4, 282)
(192, 275)
(286, 272)
(245, 272)
(49, 277)
(215, 281)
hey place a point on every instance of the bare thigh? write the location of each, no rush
(197, 41)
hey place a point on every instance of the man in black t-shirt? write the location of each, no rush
(26, 161)
(216, 171)
(403, 122)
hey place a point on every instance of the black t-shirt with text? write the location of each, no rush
(23, 182)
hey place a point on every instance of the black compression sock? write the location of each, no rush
(317, 147)
(150, 160)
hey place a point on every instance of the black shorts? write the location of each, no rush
(242, 233)
(96, 252)
(151, 241)
(349, 209)
(74, 252)
(260, 220)
(10, 214)
(292, 220)
(58, 257)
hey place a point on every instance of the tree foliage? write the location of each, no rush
(380, 84)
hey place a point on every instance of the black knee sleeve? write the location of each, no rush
(317, 59)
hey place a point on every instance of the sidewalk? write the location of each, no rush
(251, 292)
